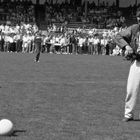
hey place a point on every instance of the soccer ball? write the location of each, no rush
(6, 127)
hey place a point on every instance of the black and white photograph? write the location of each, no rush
(70, 69)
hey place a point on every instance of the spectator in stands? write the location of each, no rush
(96, 42)
(1, 42)
(90, 46)
(73, 44)
(18, 43)
(81, 41)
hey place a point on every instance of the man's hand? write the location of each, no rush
(129, 54)
(138, 50)
(128, 50)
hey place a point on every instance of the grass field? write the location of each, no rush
(65, 97)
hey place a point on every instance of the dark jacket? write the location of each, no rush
(129, 37)
(38, 41)
(73, 40)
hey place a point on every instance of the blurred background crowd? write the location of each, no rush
(70, 27)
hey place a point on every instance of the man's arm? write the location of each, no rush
(123, 38)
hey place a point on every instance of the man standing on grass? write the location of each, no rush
(129, 39)
(38, 44)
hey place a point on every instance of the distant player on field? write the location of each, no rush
(38, 45)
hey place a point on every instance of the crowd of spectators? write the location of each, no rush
(58, 40)
(17, 38)
(82, 41)
(17, 34)
(102, 17)
(16, 12)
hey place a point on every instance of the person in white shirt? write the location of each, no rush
(18, 42)
(90, 46)
(63, 43)
(8, 41)
(2, 28)
(46, 42)
(25, 43)
(81, 41)
(29, 41)
(6, 29)
(103, 45)
(96, 42)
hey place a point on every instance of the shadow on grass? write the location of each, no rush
(136, 120)
(15, 133)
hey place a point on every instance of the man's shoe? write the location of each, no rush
(36, 60)
(128, 119)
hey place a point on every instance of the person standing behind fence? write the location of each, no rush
(81, 41)
(90, 46)
(85, 45)
(96, 42)
(103, 45)
(16, 39)
(99, 47)
(25, 43)
(38, 44)
(1, 42)
(73, 44)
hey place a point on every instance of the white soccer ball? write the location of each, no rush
(6, 127)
